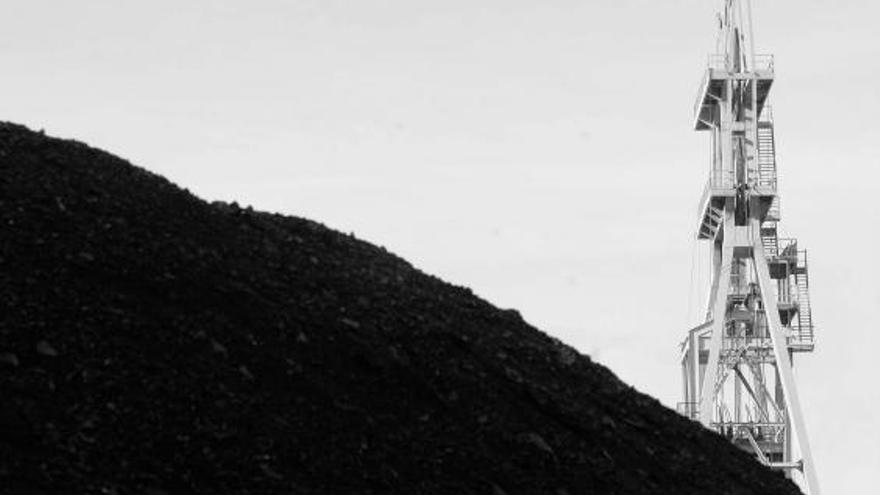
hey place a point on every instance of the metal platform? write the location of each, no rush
(718, 71)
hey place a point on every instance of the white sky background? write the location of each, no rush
(538, 152)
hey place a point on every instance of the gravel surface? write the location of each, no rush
(153, 343)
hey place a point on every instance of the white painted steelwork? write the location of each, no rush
(737, 366)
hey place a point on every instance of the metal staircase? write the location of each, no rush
(803, 334)
(770, 239)
(711, 222)
(766, 152)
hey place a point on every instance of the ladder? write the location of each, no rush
(766, 155)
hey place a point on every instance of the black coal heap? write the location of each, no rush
(152, 343)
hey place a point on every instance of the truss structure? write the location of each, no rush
(737, 366)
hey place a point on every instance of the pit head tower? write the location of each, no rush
(737, 366)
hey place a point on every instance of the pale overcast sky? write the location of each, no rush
(538, 152)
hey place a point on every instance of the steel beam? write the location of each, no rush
(721, 285)
(783, 364)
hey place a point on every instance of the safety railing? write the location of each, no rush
(766, 115)
(774, 214)
(765, 61)
(764, 182)
(752, 340)
(762, 62)
(756, 338)
(802, 337)
(718, 179)
(698, 100)
(785, 247)
(721, 62)
(802, 259)
(761, 431)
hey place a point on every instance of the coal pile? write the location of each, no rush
(152, 343)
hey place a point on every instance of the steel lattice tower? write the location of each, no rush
(738, 365)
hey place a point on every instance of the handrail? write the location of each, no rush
(698, 101)
(765, 182)
(766, 116)
(719, 62)
(748, 424)
(704, 197)
(769, 430)
(764, 61)
(718, 179)
(783, 244)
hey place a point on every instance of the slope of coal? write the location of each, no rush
(152, 343)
